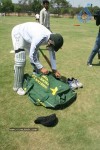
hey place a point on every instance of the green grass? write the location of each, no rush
(79, 124)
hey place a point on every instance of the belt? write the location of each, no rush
(19, 50)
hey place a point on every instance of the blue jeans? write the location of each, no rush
(95, 50)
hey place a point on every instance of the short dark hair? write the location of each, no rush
(45, 1)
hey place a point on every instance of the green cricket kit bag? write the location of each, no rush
(47, 91)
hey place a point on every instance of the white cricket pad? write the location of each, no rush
(20, 60)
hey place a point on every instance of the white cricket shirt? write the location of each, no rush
(45, 18)
(35, 35)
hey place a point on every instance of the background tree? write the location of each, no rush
(93, 9)
(30, 6)
(7, 6)
(17, 8)
(60, 6)
(36, 6)
(24, 5)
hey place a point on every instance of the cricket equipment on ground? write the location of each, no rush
(76, 24)
(78, 84)
(57, 41)
(72, 84)
(20, 60)
(48, 121)
(48, 91)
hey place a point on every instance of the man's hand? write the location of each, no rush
(44, 71)
(56, 73)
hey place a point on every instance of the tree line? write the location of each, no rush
(59, 7)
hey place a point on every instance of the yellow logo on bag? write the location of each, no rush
(54, 91)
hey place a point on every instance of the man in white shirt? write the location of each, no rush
(45, 15)
(30, 36)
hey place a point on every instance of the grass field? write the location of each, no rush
(79, 124)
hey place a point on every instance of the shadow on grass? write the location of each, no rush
(96, 64)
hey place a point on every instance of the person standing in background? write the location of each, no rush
(45, 15)
(96, 48)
